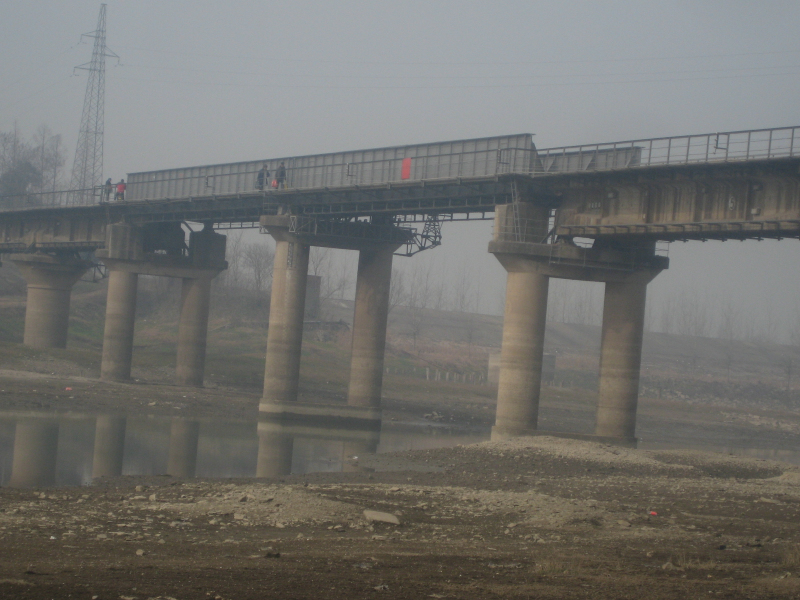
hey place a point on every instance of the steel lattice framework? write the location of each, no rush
(87, 168)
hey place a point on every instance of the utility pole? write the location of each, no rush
(87, 168)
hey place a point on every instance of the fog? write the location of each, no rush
(207, 82)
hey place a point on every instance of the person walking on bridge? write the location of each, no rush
(120, 191)
(263, 177)
(280, 176)
(108, 190)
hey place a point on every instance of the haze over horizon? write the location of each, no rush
(205, 82)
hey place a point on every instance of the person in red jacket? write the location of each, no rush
(120, 191)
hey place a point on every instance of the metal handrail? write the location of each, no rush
(755, 144)
(58, 198)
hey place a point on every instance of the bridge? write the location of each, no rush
(589, 212)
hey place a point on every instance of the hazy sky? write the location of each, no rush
(205, 82)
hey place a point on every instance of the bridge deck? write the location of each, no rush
(468, 178)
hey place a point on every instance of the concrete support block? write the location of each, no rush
(35, 452)
(620, 358)
(369, 327)
(521, 222)
(193, 331)
(285, 335)
(183, 437)
(109, 446)
(50, 280)
(521, 354)
(207, 249)
(274, 454)
(118, 332)
(123, 242)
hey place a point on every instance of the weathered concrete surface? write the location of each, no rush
(193, 331)
(369, 327)
(50, 280)
(521, 353)
(285, 336)
(620, 358)
(119, 325)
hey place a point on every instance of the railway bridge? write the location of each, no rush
(590, 212)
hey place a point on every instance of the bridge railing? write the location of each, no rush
(337, 170)
(448, 160)
(731, 146)
(60, 198)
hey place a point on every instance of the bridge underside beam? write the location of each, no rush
(677, 232)
(720, 202)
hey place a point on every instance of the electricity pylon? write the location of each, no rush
(87, 168)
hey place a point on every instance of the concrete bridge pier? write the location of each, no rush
(521, 354)
(50, 280)
(132, 251)
(524, 321)
(620, 358)
(35, 452)
(120, 320)
(183, 437)
(370, 318)
(109, 446)
(285, 334)
(193, 331)
(626, 269)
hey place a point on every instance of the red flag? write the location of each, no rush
(405, 170)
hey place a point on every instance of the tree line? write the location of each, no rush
(30, 165)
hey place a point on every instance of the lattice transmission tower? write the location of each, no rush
(87, 168)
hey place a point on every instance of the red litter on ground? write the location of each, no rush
(653, 513)
(68, 389)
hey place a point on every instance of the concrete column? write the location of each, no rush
(285, 335)
(183, 437)
(109, 446)
(521, 353)
(35, 451)
(274, 454)
(50, 280)
(620, 358)
(369, 327)
(193, 331)
(118, 332)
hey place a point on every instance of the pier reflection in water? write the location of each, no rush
(39, 450)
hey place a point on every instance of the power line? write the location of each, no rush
(275, 85)
(296, 75)
(468, 63)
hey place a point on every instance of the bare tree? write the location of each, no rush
(397, 290)
(233, 276)
(419, 296)
(462, 290)
(728, 315)
(258, 259)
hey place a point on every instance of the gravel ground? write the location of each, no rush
(530, 518)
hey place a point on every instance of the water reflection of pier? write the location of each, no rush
(45, 450)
